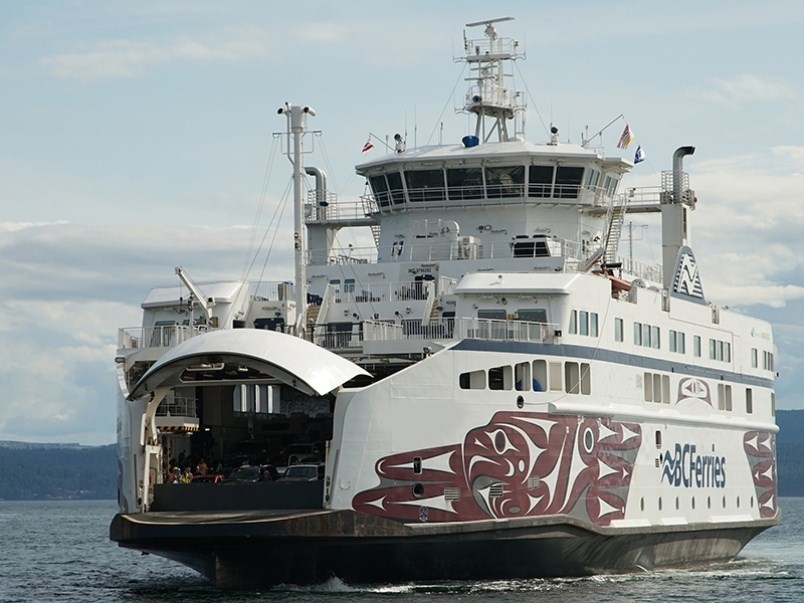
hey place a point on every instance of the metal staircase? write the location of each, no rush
(614, 219)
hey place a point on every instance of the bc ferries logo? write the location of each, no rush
(692, 389)
(685, 467)
(687, 280)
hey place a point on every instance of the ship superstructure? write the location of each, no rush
(490, 390)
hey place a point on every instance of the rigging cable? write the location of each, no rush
(450, 99)
(260, 206)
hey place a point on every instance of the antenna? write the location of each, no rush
(489, 98)
(488, 22)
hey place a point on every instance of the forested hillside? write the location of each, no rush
(50, 471)
(790, 452)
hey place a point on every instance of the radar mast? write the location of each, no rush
(489, 98)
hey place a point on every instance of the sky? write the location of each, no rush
(138, 136)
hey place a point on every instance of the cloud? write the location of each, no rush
(747, 88)
(72, 287)
(129, 58)
(324, 33)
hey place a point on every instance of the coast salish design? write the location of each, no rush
(760, 448)
(519, 465)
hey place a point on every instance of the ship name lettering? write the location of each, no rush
(685, 467)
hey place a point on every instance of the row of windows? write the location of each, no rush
(458, 184)
(258, 399)
(719, 350)
(656, 388)
(583, 323)
(537, 376)
(649, 336)
(767, 359)
(646, 335)
(677, 342)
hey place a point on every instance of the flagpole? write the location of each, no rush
(382, 142)
(607, 126)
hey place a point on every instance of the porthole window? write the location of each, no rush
(418, 490)
(520, 402)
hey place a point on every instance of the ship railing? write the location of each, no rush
(156, 337)
(331, 209)
(339, 336)
(382, 292)
(178, 407)
(647, 272)
(452, 250)
(460, 328)
(272, 291)
(504, 330)
(485, 49)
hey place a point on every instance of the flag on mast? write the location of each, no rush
(639, 155)
(626, 138)
(368, 146)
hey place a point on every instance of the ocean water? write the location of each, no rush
(60, 551)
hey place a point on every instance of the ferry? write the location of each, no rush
(489, 391)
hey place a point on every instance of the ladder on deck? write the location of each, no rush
(614, 219)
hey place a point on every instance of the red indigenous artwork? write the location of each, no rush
(760, 448)
(519, 465)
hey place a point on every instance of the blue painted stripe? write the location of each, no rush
(603, 355)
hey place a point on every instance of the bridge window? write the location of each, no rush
(380, 188)
(395, 188)
(505, 181)
(425, 185)
(540, 181)
(696, 346)
(610, 184)
(568, 181)
(465, 183)
(592, 178)
(749, 400)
